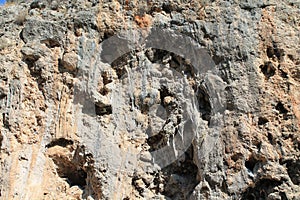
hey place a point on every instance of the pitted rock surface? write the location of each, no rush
(84, 112)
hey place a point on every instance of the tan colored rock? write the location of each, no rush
(70, 61)
(77, 125)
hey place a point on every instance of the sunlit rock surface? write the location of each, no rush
(150, 99)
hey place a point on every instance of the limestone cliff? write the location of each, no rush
(150, 99)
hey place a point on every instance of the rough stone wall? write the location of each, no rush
(66, 136)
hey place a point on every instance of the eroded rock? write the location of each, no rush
(206, 108)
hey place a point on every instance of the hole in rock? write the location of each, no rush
(73, 178)
(156, 55)
(2, 95)
(274, 52)
(250, 163)
(137, 186)
(291, 57)
(262, 120)
(30, 61)
(92, 108)
(172, 119)
(154, 141)
(168, 7)
(268, 69)
(60, 142)
(71, 167)
(280, 107)
(113, 49)
(108, 33)
(38, 4)
(103, 110)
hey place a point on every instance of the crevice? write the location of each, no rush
(283, 196)
(1, 140)
(5, 118)
(283, 74)
(134, 182)
(293, 169)
(21, 36)
(224, 187)
(50, 43)
(271, 138)
(119, 65)
(230, 105)
(35, 72)
(180, 178)
(106, 79)
(261, 189)
(204, 104)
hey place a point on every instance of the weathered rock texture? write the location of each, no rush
(68, 132)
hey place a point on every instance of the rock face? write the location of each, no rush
(150, 99)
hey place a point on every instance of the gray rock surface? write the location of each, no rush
(150, 99)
